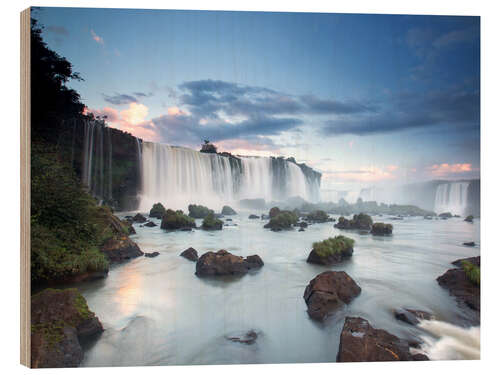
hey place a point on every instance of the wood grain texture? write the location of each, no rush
(25, 187)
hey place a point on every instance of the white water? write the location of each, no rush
(451, 197)
(177, 177)
(448, 341)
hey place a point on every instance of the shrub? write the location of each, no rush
(472, 272)
(338, 245)
(274, 211)
(359, 221)
(318, 216)
(381, 229)
(198, 211)
(283, 220)
(157, 211)
(211, 223)
(469, 219)
(226, 210)
(176, 220)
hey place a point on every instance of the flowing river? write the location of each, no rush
(155, 311)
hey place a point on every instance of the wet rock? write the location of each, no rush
(252, 216)
(264, 217)
(410, 316)
(199, 211)
(226, 210)
(173, 220)
(229, 219)
(419, 357)
(274, 212)
(302, 230)
(328, 291)
(152, 255)
(120, 249)
(318, 216)
(469, 219)
(139, 218)
(157, 211)
(360, 342)
(381, 229)
(190, 254)
(224, 263)
(459, 284)
(360, 221)
(129, 227)
(150, 224)
(60, 321)
(211, 223)
(472, 244)
(247, 338)
(186, 229)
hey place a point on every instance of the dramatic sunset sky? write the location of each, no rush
(364, 99)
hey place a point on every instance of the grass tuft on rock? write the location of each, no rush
(472, 272)
(337, 245)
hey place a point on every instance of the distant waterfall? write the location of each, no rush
(178, 176)
(97, 164)
(451, 197)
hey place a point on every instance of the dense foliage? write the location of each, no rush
(199, 211)
(381, 229)
(210, 222)
(157, 211)
(331, 246)
(282, 220)
(318, 216)
(359, 221)
(176, 220)
(472, 272)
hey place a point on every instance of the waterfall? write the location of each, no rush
(177, 177)
(451, 197)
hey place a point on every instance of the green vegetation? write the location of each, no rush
(157, 211)
(472, 272)
(176, 220)
(67, 226)
(198, 211)
(211, 223)
(282, 220)
(338, 245)
(227, 210)
(274, 211)
(445, 215)
(359, 221)
(469, 219)
(381, 229)
(318, 216)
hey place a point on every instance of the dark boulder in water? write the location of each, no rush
(157, 211)
(246, 338)
(120, 249)
(226, 210)
(139, 218)
(331, 251)
(282, 220)
(223, 263)
(302, 230)
(410, 316)
(173, 220)
(360, 342)
(318, 216)
(446, 215)
(464, 282)
(211, 223)
(381, 229)
(252, 216)
(150, 224)
(273, 212)
(152, 255)
(472, 244)
(359, 221)
(190, 254)
(199, 211)
(60, 321)
(469, 219)
(327, 292)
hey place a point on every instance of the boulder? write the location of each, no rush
(331, 251)
(173, 220)
(472, 244)
(463, 282)
(318, 216)
(381, 229)
(446, 215)
(410, 316)
(327, 292)
(282, 220)
(139, 218)
(302, 230)
(157, 211)
(273, 212)
(190, 254)
(360, 221)
(211, 223)
(119, 249)
(60, 321)
(252, 216)
(226, 210)
(150, 224)
(360, 342)
(152, 255)
(129, 227)
(469, 219)
(229, 219)
(199, 211)
(224, 263)
(246, 338)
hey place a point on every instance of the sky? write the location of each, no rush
(364, 99)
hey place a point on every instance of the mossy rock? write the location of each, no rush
(331, 250)
(60, 320)
(173, 220)
(283, 220)
(157, 211)
(228, 211)
(360, 221)
(469, 219)
(381, 229)
(273, 212)
(199, 211)
(445, 215)
(212, 223)
(318, 216)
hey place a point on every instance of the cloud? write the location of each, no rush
(119, 99)
(363, 174)
(143, 95)
(445, 169)
(135, 114)
(258, 147)
(455, 37)
(58, 30)
(320, 106)
(96, 37)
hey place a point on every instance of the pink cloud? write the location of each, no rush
(392, 168)
(244, 147)
(96, 37)
(444, 169)
(364, 174)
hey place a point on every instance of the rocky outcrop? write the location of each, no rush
(252, 216)
(173, 220)
(60, 321)
(446, 215)
(281, 220)
(199, 211)
(150, 224)
(327, 292)
(469, 219)
(121, 249)
(152, 255)
(228, 211)
(463, 282)
(410, 316)
(318, 216)
(245, 338)
(331, 251)
(139, 218)
(224, 263)
(360, 342)
(381, 229)
(190, 254)
(471, 244)
(211, 223)
(157, 211)
(360, 221)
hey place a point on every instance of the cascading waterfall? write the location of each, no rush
(451, 197)
(177, 177)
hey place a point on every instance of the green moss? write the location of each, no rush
(176, 220)
(330, 246)
(381, 229)
(82, 307)
(212, 223)
(282, 220)
(157, 211)
(472, 272)
(319, 216)
(198, 211)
